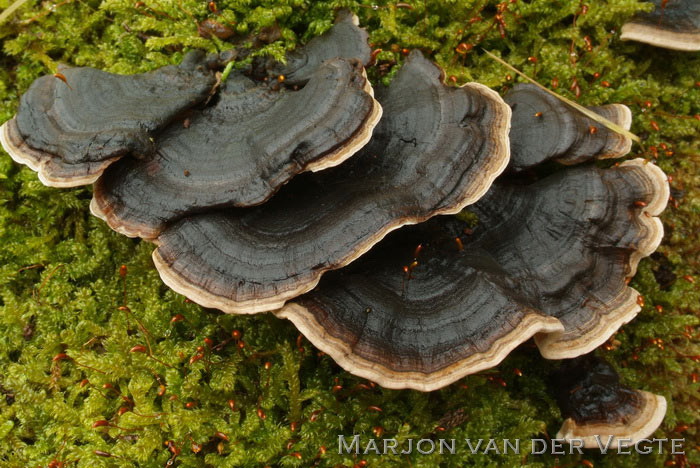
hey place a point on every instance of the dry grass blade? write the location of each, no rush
(11, 9)
(587, 112)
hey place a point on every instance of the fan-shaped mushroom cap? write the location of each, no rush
(241, 151)
(435, 150)
(430, 304)
(674, 24)
(345, 39)
(417, 311)
(543, 128)
(570, 241)
(72, 125)
(597, 406)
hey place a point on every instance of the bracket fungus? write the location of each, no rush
(345, 39)
(544, 127)
(70, 126)
(550, 258)
(436, 150)
(571, 240)
(417, 311)
(238, 228)
(599, 410)
(673, 24)
(240, 151)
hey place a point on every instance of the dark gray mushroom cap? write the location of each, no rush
(345, 39)
(550, 255)
(417, 311)
(571, 241)
(597, 406)
(673, 24)
(544, 127)
(242, 150)
(436, 150)
(70, 131)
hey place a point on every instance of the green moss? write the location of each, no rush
(61, 290)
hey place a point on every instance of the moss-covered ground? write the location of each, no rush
(86, 381)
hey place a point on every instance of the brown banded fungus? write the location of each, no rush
(570, 242)
(72, 125)
(344, 39)
(417, 311)
(601, 411)
(240, 151)
(431, 304)
(544, 127)
(673, 24)
(436, 150)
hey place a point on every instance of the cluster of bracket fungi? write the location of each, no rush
(287, 194)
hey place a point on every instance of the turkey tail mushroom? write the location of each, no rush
(571, 241)
(436, 150)
(417, 311)
(72, 125)
(433, 303)
(545, 128)
(344, 39)
(673, 24)
(600, 411)
(240, 151)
